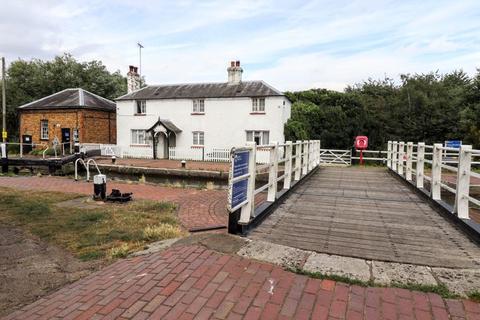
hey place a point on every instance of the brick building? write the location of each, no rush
(71, 115)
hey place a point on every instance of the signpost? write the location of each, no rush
(238, 190)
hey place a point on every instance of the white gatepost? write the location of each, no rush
(273, 173)
(401, 156)
(298, 160)
(463, 182)
(419, 168)
(395, 156)
(389, 154)
(288, 165)
(248, 210)
(318, 152)
(436, 188)
(305, 157)
(310, 155)
(408, 173)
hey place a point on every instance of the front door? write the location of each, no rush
(65, 135)
(27, 143)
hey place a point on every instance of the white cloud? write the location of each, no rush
(291, 44)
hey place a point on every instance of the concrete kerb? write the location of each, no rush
(459, 281)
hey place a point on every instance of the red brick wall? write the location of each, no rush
(94, 126)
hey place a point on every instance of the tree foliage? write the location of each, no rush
(423, 107)
(31, 80)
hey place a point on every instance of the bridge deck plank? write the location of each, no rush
(367, 213)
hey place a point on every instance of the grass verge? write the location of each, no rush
(441, 289)
(90, 232)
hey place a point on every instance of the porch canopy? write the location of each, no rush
(169, 128)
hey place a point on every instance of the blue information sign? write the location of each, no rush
(453, 143)
(240, 168)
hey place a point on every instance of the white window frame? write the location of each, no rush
(44, 129)
(198, 138)
(263, 135)
(139, 137)
(141, 105)
(258, 105)
(198, 106)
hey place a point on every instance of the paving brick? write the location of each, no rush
(219, 295)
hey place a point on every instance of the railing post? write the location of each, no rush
(401, 156)
(249, 209)
(408, 173)
(419, 168)
(317, 152)
(436, 188)
(310, 155)
(288, 165)
(298, 160)
(305, 157)
(463, 182)
(389, 154)
(395, 156)
(273, 173)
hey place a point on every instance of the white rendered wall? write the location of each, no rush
(224, 123)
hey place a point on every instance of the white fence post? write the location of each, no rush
(408, 173)
(419, 168)
(288, 165)
(401, 156)
(395, 156)
(436, 172)
(310, 155)
(318, 152)
(273, 173)
(298, 160)
(305, 157)
(248, 210)
(389, 154)
(463, 182)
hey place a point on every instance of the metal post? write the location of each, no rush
(408, 173)
(298, 160)
(305, 157)
(419, 168)
(436, 172)
(401, 157)
(463, 182)
(389, 154)
(288, 165)
(249, 209)
(4, 103)
(395, 156)
(273, 173)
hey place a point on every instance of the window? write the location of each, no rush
(76, 135)
(198, 138)
(44, 129)
(198, 106)
(260, 137)
(258, 104)
(139, 137)
(140, 107)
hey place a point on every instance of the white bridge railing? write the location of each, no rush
(292, 160)
(410, 160)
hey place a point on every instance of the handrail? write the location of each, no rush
(76, 170)
(88, 168)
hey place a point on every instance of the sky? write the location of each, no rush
(292, 45)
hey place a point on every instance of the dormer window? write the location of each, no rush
(140, 107)
(198, 106)
(258, 105)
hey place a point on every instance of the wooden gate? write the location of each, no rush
(335, 157)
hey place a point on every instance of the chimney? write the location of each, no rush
(234, 72)
(133, 79)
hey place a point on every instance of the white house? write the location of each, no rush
(200, 117)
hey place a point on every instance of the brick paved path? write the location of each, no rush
(197, 208)
(195, 283)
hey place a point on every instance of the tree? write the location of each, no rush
(31, 80)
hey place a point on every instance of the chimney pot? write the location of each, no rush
(131, 68)
(232, 64)
(238, 63)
